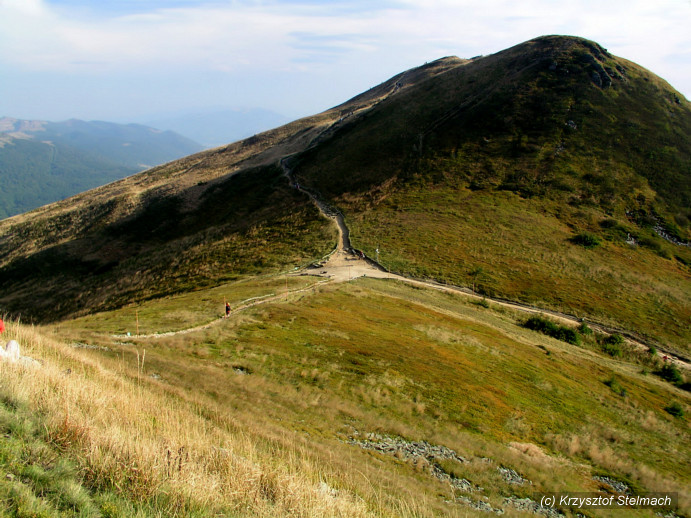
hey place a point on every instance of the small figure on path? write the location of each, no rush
(227, 309)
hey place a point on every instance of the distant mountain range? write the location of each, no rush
(42, 162)
(218, 127)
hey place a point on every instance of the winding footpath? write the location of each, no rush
(345, 264)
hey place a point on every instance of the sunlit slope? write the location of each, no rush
(488, 173)
(336, 371)
(522, 249)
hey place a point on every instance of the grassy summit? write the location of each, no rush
(498, 165)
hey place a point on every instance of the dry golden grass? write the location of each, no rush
(252, 415)
(131, 436)
(596, 447)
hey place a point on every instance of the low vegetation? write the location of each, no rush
(288, 388)
(612, 345)
(549, 328)
(586, 240)
(675, 409)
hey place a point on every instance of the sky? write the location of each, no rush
(136, 60)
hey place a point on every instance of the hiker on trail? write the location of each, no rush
(227, 309)
(2, 325)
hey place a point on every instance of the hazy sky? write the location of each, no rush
(132, 60)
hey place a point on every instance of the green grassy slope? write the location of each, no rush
(585, 142)
(521, 249)
(329, 366)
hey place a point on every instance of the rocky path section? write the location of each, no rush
(428, 457)
(344, 263)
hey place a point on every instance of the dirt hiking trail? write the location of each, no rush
(345, 264)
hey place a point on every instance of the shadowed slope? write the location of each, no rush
(197, 221)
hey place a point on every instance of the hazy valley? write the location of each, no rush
(42, 162)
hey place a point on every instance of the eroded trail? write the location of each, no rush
(245, 304)
(347, 264)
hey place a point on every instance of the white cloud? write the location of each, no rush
(336, 48)
(27, 31)
(264, 33)
(31, 7)
(238, 34)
